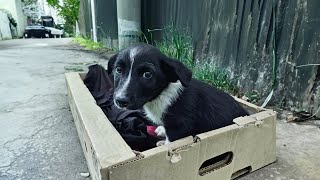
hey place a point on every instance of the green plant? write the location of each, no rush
(252, 96)
(143, 38)
(88, 43)
(176, 43)
(69, 11)
(213, 75)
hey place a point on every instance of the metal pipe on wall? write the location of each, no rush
(129, 22)
(93, 16)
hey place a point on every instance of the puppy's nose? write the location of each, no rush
(122, 102)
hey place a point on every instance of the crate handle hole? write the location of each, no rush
(215, 163)
(241, 172)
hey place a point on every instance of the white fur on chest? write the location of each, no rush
(156, 108)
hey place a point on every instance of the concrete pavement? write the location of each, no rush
(38, 139)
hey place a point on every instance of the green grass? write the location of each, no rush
(88, 43)
(176, 43)
(253, 96)
(213, 75)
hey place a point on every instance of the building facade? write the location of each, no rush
(15, 8)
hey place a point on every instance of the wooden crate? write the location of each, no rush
(229, 152)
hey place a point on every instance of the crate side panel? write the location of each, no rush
(107, 142)
(92, 162)
(249, 106)
(94, 129)
(158, 166)
(252, 144)
(255, 145)
(79, 91)
(215, 143)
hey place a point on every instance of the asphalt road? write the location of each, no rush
(38, 139)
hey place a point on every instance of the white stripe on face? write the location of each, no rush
(133, 53)
(122, 92)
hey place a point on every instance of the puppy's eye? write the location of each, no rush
(147, 75)
(118, 70)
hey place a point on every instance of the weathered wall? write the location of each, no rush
(15, 8)
(106, 21)
(298, 38)
(5, 32)
(107, 26)
(85, 19)
(237, 35)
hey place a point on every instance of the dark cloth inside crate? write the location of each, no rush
(131, 124)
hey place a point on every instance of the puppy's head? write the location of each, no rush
(141, 72)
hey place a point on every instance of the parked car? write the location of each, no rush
(45, 28)
(54, 32)
(49, 23)
(37, 31)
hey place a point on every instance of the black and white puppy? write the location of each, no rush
(144, 78)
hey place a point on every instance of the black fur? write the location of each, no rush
(111, 62)
(199, 108)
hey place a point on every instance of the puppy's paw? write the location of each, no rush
(160, 143)
(160, 131)
(163, 142)
(167, 141)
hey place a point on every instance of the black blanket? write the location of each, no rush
(130, 124)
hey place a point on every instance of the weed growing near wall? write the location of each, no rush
(176, 43)
(88, 43)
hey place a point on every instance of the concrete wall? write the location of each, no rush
(15, 8)
(84, 18)
(106, 21)
(298, 43)
(5, 32)
(235, 35)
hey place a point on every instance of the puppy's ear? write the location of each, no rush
(175, 70)
(111, 62)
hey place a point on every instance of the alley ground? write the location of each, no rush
(38, 139)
